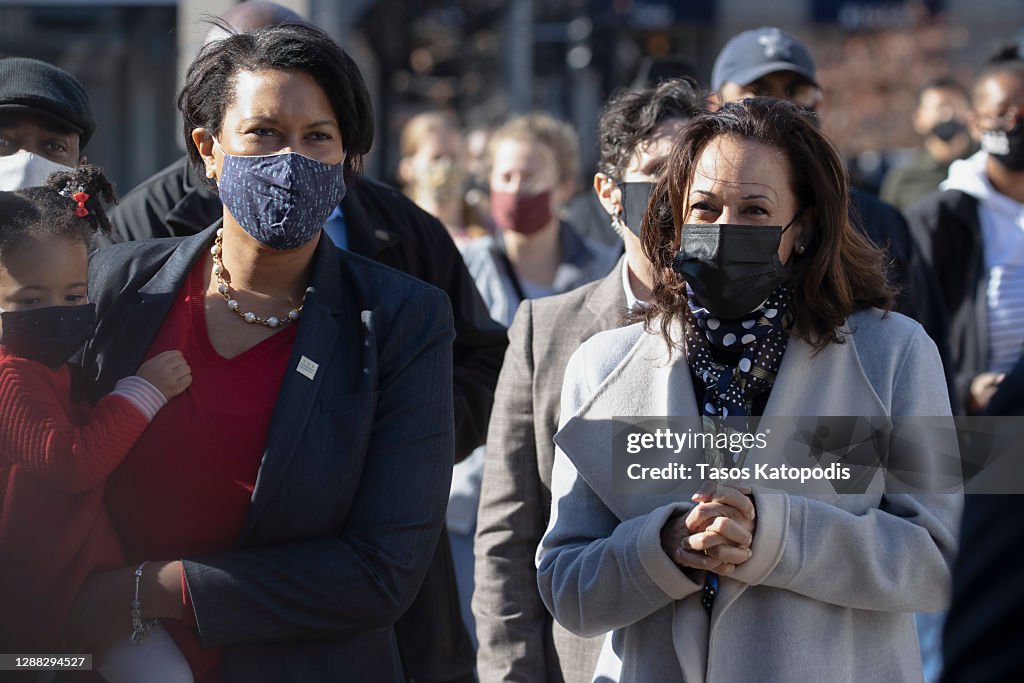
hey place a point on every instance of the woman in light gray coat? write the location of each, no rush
(766, 304)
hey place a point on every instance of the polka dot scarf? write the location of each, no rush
(759, 337)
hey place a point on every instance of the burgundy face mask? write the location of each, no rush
(525, 214)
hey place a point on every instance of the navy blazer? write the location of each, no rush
(351, 492)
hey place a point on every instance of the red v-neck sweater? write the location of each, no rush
(185, 487)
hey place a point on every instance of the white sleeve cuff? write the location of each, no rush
(141, 394)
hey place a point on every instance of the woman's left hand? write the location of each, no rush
(675, 543)
(100, 617)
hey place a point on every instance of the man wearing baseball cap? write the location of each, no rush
(768, 62)
(45, 121)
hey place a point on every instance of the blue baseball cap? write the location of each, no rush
(752, 54)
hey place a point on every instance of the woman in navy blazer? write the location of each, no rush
(351, 480)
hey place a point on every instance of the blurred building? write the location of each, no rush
(487, 58)
(124, 56)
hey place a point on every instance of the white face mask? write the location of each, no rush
(25, 169)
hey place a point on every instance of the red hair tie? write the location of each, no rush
(81, 198)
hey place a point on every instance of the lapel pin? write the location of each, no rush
(307, 368)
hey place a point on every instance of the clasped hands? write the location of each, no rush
(717, 533)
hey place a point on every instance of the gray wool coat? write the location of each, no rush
(831, 587)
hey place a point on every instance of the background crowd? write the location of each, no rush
(544, 222)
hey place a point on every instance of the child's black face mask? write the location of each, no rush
(49, 335)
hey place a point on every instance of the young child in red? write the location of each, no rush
(55, 454)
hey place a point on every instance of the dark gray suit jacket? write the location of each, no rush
(518, 639)
(350, 497)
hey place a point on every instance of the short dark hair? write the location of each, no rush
(294, 46)
(1006, 52)
(944, 83)
(632, 115)
(840, 272)
(1005, 60)
(50, 209)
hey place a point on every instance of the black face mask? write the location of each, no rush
(730, 268)
(635, 197)
(1006, 147)
(48, 335)
(947, 130)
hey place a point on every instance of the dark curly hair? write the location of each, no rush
(839, 273)
(210, 83)
(632, 115)
(50, 209)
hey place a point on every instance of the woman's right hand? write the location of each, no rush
(715, 554)
(168, 372)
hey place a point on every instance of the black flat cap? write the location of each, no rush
(32, 86)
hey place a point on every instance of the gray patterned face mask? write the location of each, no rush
(282, 200)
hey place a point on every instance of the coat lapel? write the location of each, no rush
(315, 342)
(645, 383)
(606, 302)
(145, 317)
(831, 382)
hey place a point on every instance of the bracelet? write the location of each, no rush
(140, 626)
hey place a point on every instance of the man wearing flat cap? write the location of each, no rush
(45, 121)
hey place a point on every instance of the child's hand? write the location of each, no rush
(168, 372)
